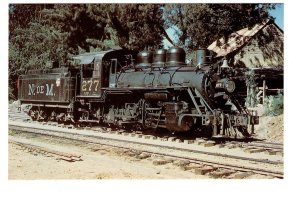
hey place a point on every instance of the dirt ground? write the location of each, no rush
(271, 128)
(95, 165)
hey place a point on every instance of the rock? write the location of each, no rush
(181, 162)
(160, 162)
(143, 156)
(188, 141)
(240, 175)
(190, 167)
(171, 139)
(178, 140)
(253, 150)
(209, 144)
(221, 173)
(204, 170)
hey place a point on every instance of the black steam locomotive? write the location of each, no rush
(150, 89)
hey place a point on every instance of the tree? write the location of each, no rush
(131, 26)
(76, 21)
(137, 25)
(20, 15)
(201, 24)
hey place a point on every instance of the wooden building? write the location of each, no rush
(258, 47)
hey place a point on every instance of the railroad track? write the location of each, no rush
(250, 147)
(268, 146)
(216, 168)
(35, 149)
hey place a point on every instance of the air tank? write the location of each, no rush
(159, 57)
(144, 58)
(175, 56)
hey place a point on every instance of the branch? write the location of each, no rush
(123, 35)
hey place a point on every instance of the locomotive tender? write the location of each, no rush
(158, 91)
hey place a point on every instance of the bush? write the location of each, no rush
(273, 105)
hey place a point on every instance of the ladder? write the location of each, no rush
(199, 102)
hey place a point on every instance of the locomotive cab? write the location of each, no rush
(99, 71)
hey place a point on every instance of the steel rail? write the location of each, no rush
(155, 145)
(265, 145)
(260, 144)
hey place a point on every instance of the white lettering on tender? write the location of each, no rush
(40, 89)
(32, 89)
(49, 90)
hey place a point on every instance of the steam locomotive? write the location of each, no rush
(149, 89)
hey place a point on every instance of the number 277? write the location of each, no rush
(88, 85)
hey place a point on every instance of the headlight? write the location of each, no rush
(230, 86)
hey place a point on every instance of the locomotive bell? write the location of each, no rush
(175, 56)
(144, 58)
(225, 64)
(159, 57)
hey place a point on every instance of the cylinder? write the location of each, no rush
(175, 56)
(159, 57)
(144, 58)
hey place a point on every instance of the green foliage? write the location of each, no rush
(105, 44)
(131, 26)
(273, 105)
(12, 132)
(77, 23)
(11, 94)
(21, 15)
(137, 25)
